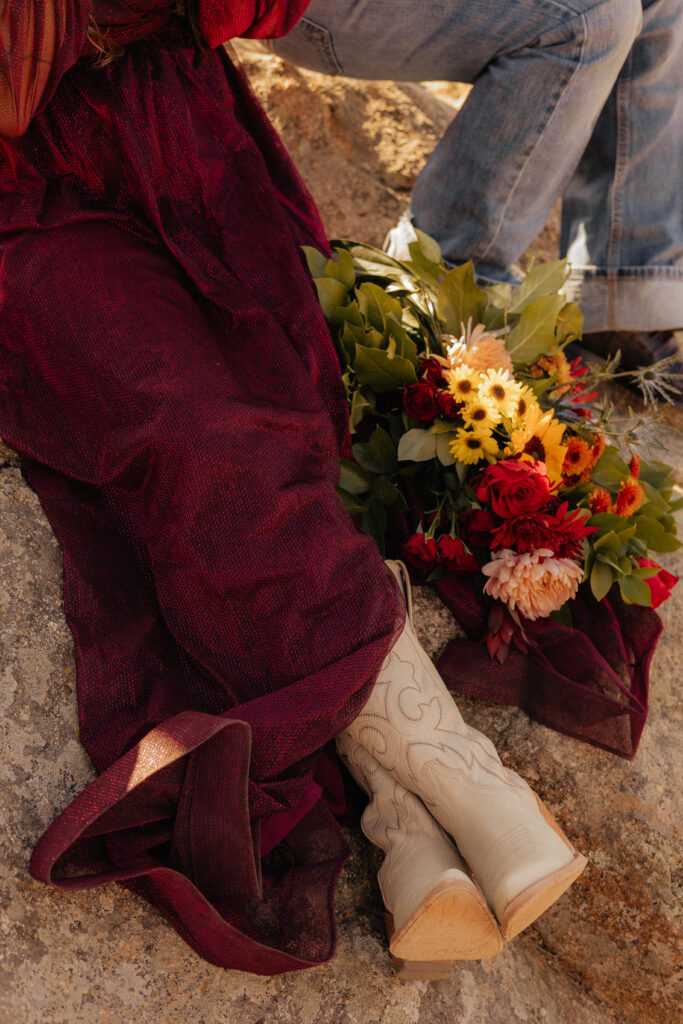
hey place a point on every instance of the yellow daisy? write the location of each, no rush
(525, 402)
(471, 446)
(463, 382)
(540, 437)
(480, 413)
(501, 390)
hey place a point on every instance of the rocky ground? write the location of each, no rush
(607, 953)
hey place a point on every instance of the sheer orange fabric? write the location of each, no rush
(39, 39)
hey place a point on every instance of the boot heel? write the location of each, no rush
(453, 922)
(415, 970)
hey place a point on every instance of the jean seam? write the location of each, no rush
(591, 273)
(325, 37)
(552, 108)
(616, 189)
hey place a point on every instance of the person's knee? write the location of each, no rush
(611, 28)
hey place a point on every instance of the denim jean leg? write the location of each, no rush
(541, 71)
(622, 218)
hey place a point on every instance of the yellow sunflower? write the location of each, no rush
(480, 413)
(501, 390)
(540, 437)
(463, 382)
(471, 446)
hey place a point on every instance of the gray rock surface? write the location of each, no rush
(605, 954)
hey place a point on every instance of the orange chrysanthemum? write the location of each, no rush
(535, 583)
(577, 458)
(599, 500)
(597, 448)
(557, 363)
(481, 349)
(629, 497)
(634, 466)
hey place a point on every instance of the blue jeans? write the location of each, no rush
(575, 98)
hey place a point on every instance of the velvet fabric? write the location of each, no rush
(589, 680)
(169, 381)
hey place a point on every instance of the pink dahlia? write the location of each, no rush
(534, 583)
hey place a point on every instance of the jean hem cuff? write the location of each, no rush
(642, 302)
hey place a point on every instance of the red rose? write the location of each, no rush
(431, 516)
(419, 402)
(454, 556)
(515, 487)
(477, 525)
(660, 585)
(418, 551)
(447, 404)
(431, 371)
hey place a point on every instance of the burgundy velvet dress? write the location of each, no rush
(170, 384)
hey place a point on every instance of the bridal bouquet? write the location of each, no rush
(495, 452)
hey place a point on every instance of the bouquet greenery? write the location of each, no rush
(464, 405)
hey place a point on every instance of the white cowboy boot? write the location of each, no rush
(438, 913)
(412, 727)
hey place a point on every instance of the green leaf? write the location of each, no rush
(351, 504)
(608, 556)
(563, 615)
(429, 248)
(610, 469)
(605, 521)
(374, 522)
(377, 306)
(375, 367)
(635, 591)
(637, 548)
(461, 469)
(331, 293)
(569, 323)
(459, 298)
(535, 333)
(493, 318)
(500, 294)
(353, 478)
(656, 502)
(417, 446)
(545, 279)
(655, 536)
(359, 407)
(625, 535)
(383, 450)
(609, 541)
(443, 451)
(377, 455)
(602, 579)
(341, 269)
(443, 427)
(655, 473)
(385, 491)
(316, 261)
(424, 269)
(645, 572)
(405, 346)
